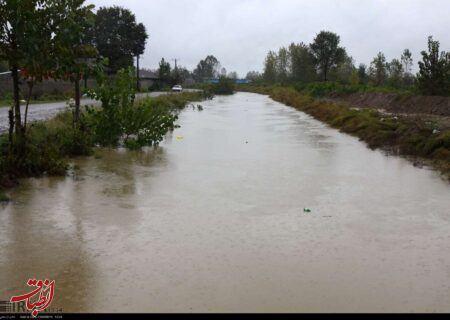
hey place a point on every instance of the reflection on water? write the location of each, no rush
(215, 222)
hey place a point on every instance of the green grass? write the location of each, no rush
(46, 98)
(325, 89)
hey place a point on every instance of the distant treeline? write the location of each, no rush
(206, 69)
(325, 60)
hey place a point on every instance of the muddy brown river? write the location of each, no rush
(213, 221)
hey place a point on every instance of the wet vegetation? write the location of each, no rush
(225, 86)
(323, 66)
(120, 121)
(409, 136)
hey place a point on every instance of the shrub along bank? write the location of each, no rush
(409, 136)
(120, 121)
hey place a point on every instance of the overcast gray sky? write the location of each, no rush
(241, 32)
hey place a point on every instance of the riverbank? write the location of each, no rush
(409, 136)
(51, 143)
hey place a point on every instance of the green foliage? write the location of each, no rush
(123, 120)
(434, 74)
(326, 89)
(45, 148)
(164, 72)
(282, 65)
(378, 69)
(396, 72)
(254, 76)
(270, 67)
(327, 52)
(224, 87)
(118, 37)
(325, 59)
(302, 63)
(207, 68)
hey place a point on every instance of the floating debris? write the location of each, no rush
(179, 138)
(307, 210)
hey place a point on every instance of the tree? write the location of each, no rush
(270, 67)
(327, 52)
(180, 75)
(208, 68)
(254, 76)
(302, 63)
(362, 73)
(378, 69)
(27, 30)
(233, 75)
(343, 71)
(140, 37)
(434, 74)
(282, 65)
(118, 37)
(164, 72)
(395, 69)
(407, 62)
(75, 54)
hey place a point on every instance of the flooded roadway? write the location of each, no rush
(213, 221)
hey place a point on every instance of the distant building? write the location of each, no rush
(148, 78)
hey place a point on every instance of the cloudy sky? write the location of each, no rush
(240, 32)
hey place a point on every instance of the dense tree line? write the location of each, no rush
(325, 60)
(207, 69)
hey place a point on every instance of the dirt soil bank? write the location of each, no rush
(395, 103)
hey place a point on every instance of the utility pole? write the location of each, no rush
(176, 66)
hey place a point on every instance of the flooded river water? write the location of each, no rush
(213, 221)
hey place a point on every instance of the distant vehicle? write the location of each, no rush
(177, 88)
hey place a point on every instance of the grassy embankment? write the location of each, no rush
(407, 136)
(7, 101)
(51, 143)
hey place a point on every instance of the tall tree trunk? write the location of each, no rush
(138, 84)
(30, 91)
(77, 100)
(16, 95)
(11, 126)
